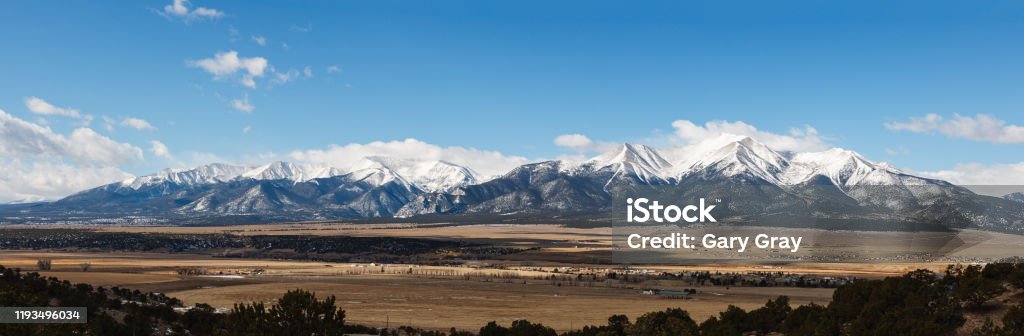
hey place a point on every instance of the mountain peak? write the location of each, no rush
(277, 170)
(429, 175)
(729, 155)
(209, 173)
(843, 167)
(629, 153)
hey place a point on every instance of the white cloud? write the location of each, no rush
(262, 41)
(227, 64)
(284, 77)
(243, 104)
(488, 163)
(108, 123)
(137, 123)
(582, 143)
(39, 106)
(87, 145)
(246, 129)
(979, 174)
(334, 69)
(23, 139)
(981, 127)
(573, 141)
(181, 9)
(21, 180)
(804, 139)
(37, 163)
(159, 149)
(308, 72)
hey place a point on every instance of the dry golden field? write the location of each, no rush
(441, 297)
(392, 297)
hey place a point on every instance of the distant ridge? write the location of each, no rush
(811, 183)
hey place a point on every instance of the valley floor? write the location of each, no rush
(537, 284)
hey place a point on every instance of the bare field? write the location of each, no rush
(440, 297)
(823, 251)
(393, 297)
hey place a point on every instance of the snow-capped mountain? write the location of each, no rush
(426, 175)
(844, 168)
(628, 161)
(729, 156)
(831, 182)
(279, 170)
(211, 173)
(835, 181)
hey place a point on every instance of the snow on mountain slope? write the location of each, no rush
(842, 167)
(626, 161)
(427, 175)
(638, 155)
(725, 156)
(729, 155)
(211, 173)
(278, 170)
(378, 176)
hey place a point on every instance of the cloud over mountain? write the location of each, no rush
(487, 163)
(798, 139)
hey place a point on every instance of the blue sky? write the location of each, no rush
(510, 77)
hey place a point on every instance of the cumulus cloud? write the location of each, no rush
(804, 139)
(181, 9)
(981, 127)
(87, 145)
(308, 72)
(488, 163)
(24, 139)
(137, 123)
(980, 174)
(37, 163)
(582, 143)
(243, 104)
(573, 141)
(334, 69)
(159, 149)
(228, 64)
(22, 180)
(40, 106)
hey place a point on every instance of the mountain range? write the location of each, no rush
(763, 183)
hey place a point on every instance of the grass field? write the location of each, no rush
(391, 298)
(381, 295)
